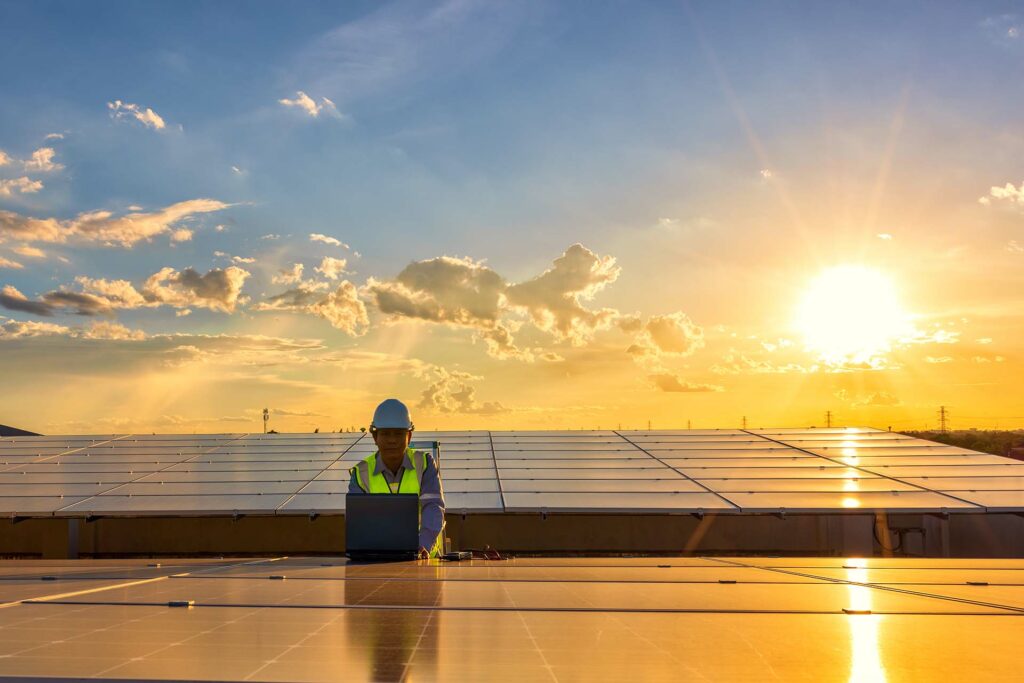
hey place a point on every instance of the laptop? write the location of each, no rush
(382, 527)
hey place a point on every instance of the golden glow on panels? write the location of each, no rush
(851, 315)
(865, 658)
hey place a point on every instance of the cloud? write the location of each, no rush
(552, 299)
(42, 161)
(938, 359)
(102, 227)
(884, 236)
(181, 235)
(342, 308)
(218, 289)
(317, 237)
(463, 292)
(22, 185)
(674, 334)
(5, 158)
(112, 331)
(445, 289)
(873, 399)
(451, 392)
(30, 252)
(1015, 247)
(182, 312)
(18, 329)
(1007, 194)
(271, 237)
(13, 300)
(309, 105)
(666, 381)
(147, 117)
(332, 268)
(243, 259)
(54, 136)
(289, 276)
(7, 263)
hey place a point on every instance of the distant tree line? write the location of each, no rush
(996, 442)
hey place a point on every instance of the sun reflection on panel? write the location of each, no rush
(865, 659)
(850, 502)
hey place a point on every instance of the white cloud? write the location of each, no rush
(54, 136)
(938, 359)
(767, 174)
(5, 158)
(42, 161)
(22, 185)
(181, 235)
(884, 236)
(317, 237)
(332, 268)
(237, 170)
(7, 263)
(309, 105)
(112, 331)
(342, 308)
(1007, 194)
(147, 117)
(183, 312)
(289, 276)
(271, 237)
(218, 290)
(553, 298)
(243, 259)
(102, 227)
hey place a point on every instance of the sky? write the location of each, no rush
(510, 215)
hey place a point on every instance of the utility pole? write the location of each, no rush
(266, 417)
(828, 418)
(648, 425)
(688, 424)
(943, 419)
(744, 422)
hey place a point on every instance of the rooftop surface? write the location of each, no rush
(550, 619)
(717, 471)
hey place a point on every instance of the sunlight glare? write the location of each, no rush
(851, 314)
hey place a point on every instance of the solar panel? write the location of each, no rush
(728, 470)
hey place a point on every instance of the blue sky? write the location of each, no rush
(721, 153)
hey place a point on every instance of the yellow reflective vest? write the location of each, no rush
(371, 482)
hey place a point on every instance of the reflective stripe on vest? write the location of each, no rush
(370, 482)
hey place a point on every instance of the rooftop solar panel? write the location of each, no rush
(594, 471)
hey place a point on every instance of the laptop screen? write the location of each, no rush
(381, 523)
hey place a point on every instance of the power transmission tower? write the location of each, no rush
(828, 418)
(744, 422)
(688, 424)
(943, 419)
(266, 416)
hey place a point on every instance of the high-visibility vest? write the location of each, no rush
(370, 482)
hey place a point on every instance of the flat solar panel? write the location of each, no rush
(591, 471)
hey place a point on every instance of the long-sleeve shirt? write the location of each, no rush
(431, 494)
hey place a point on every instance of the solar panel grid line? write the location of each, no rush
(961, 500)
(65, 452)
(688, 477)
(885, 587)
(497, 474)
(144, 474)
(304, 486)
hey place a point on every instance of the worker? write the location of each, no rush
(397, 468)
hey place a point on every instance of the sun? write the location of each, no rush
(851, 315)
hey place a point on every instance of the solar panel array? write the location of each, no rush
(667, 471)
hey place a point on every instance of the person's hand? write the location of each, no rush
(424, 553)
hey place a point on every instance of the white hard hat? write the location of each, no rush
(391, 414)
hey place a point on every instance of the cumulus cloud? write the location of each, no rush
(317, 237)
(332, 268)
(22, 185)
(872, 399)
(666, 381)
(181, 235)
(444, 290)
(309, 105)
(342, 308)
(218, 289)
(112, 331)
(103, 227)
(146, 116)
(553, 299)
(1007, 195)
(5, 158)
(674, 334)
(289, 276)
(7, 263)
(451, 391)
(42, 161)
